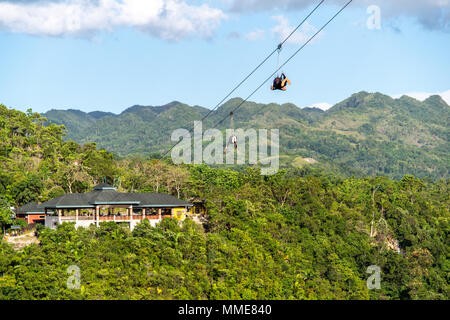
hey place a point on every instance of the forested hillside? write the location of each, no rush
(366, 134)
(300, 234)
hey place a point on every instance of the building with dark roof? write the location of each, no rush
(105, 203)
(31, 213)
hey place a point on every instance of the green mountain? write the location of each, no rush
(368, 133)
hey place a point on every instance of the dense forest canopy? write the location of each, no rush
(303, 233)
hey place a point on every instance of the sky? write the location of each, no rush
(111, 54)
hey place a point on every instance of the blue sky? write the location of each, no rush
(197, 51)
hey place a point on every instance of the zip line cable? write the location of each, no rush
(278, 48)
(292, 56)
(270, 77)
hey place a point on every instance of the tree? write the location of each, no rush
(281, 186)
(27, 189)
(177, 178)
(72, 172)
(157, 173)
(6, 217)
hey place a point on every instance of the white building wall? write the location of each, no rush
(153, 223)
(52, 221)
(84, 223)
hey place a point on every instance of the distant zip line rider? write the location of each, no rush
(279, 83)
(231, 140)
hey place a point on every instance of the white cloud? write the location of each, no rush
(261, 5)
(431, 14)
(255, 35)
(171, 20)
(322, 105)
(421, 96)
(283, 29)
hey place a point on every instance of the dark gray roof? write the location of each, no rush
(104, 186)
(111, 197)
(108, 196)
(68, 200)
(30, 208)
(157, 199)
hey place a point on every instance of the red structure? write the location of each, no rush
(31, 213)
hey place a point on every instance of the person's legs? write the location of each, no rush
(284, 81)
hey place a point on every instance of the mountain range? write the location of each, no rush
(367, 133)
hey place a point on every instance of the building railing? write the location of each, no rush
(120, 218)
(68, 218)
(113, 218)
(106, 218)
(84, 218)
